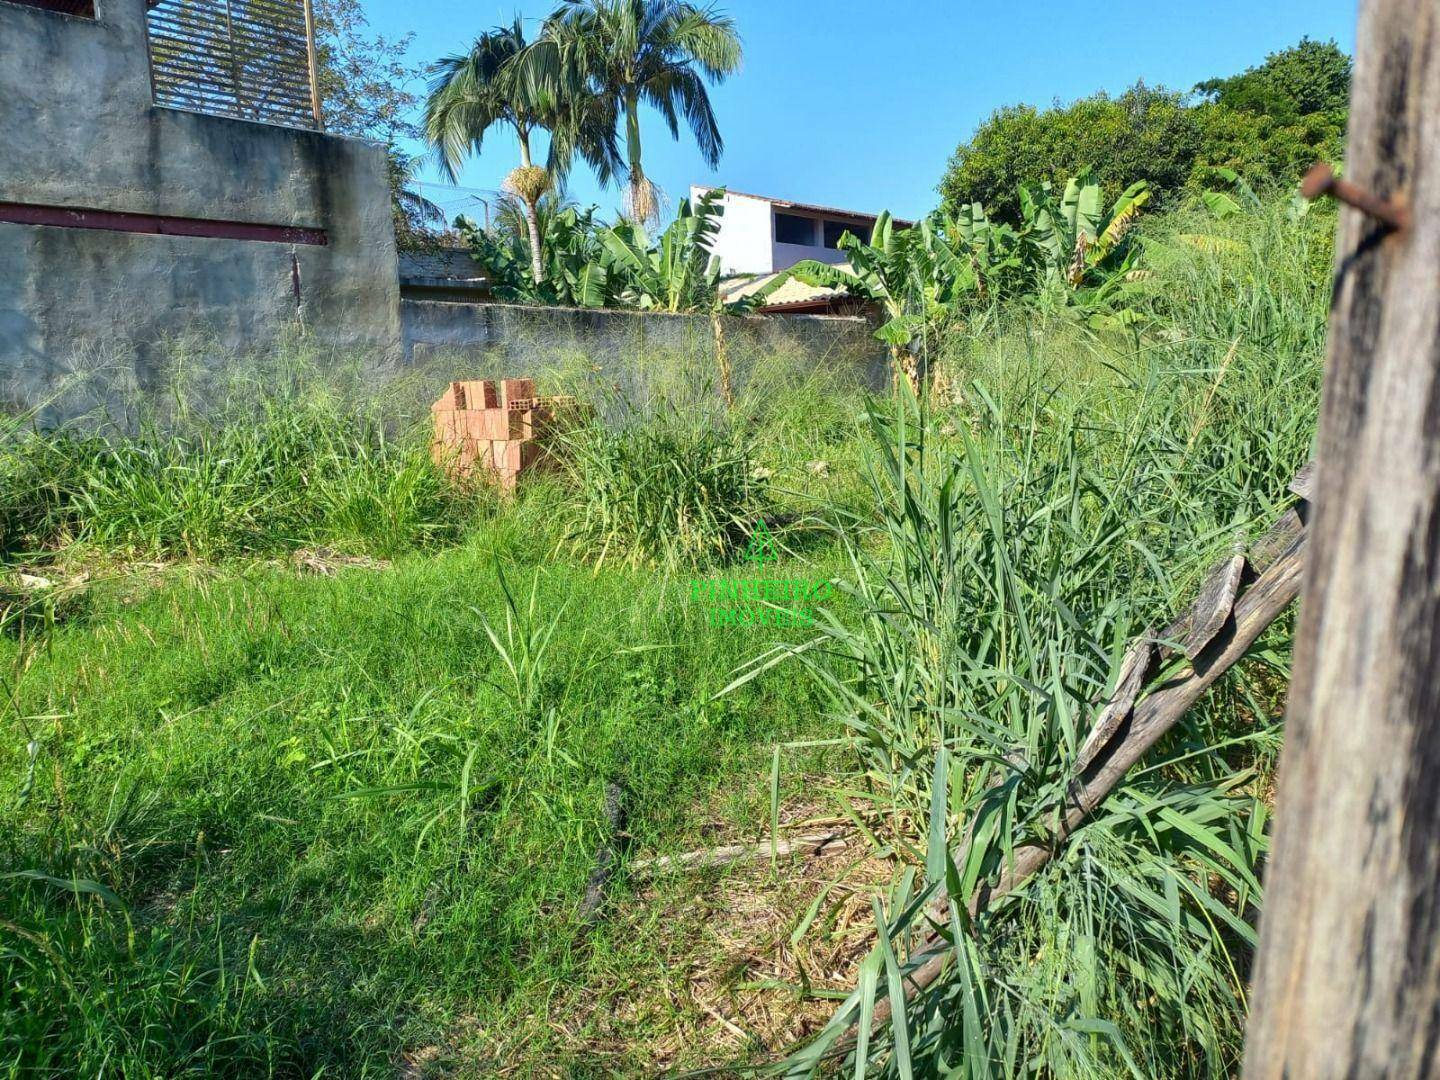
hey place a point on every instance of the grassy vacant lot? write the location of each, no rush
(336, 813)
(336, 793)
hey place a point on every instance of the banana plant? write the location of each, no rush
(992, 250)
(678, 273)
(575, 265)
(1227, 193)
(675, 274)
(914, 275)
(1081, 252)
(575, 273)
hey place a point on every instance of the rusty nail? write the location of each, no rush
(1321, 180)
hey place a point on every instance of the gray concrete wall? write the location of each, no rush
(621, 360)
(78, 129)
(516, 333)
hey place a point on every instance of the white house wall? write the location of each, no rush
(747, 231)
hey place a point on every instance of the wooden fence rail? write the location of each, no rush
(1241, 597)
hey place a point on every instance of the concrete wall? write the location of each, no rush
(78, 129)
(513, 339)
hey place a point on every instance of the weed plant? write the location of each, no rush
(281, 455)
(1077, 504)
(266, 823)
(284, 824)
(663, 492)
(263, 823)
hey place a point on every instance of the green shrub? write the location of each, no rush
(1269, 124)
(661, 491)
(1146, 133)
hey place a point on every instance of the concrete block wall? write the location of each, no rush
(78, 130)
(516, 336)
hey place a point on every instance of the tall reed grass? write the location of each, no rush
(1086, 487)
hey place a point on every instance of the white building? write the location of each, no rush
(760, 235)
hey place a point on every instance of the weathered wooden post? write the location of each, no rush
(1348, 976)
(313, 63)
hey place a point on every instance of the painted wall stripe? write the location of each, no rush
(72, 217)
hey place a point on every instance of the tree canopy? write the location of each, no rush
(1267, 124)
(659, 52)
(1311, 77)
(365, 89)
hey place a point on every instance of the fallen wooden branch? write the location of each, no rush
(817, 844)
(607, 855)
(1215, 633)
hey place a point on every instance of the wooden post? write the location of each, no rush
(314, 69)
(234, 61)
(1348, 974)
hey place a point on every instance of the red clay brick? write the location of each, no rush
(487, 424)
(481, 433)
(519, 455)
(452, 398)
(516, 390)
(521, 423)
(480, 394)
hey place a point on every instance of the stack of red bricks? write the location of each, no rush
(482, 433)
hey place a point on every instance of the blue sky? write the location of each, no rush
(859, 103)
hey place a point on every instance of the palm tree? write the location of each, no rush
(414, 216)
(472, 92)
(628, 51)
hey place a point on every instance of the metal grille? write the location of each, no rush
(253, 59)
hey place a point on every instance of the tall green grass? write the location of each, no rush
(1085, 489)
(283, 454)
(283, 824)
(661, 491)
(274, 824)
(221, 456)
(670, 477)
(341, 816)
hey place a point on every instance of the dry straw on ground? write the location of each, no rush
(746, 960)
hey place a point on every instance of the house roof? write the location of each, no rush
(813, 208)
(794, 292)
